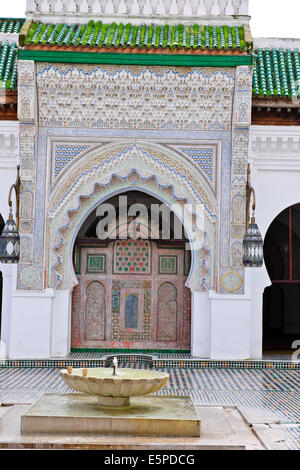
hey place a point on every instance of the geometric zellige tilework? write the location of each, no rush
(132, 257)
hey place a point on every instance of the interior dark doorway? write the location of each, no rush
(281, 300)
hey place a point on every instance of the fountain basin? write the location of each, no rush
(115, 390)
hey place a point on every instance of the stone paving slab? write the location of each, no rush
(278, 436)
(222, 429)
(3, 410)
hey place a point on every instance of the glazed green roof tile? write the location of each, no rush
(8, 66)
(98, 34)
(276, 73)
(10, 25)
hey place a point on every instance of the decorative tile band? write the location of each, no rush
(92, 85)
(156, 363)
(49, 363)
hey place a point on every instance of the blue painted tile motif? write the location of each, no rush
(204, 157)
(65, 153)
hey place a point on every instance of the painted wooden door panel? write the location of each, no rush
(95, 311)
(131, 295)
(167, 313)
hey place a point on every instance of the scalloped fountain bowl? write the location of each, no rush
(114, 390)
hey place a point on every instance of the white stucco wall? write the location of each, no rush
(274, 155)
(9, 157)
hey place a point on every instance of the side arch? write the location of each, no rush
(281, 299)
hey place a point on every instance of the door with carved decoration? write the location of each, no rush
(131, 295)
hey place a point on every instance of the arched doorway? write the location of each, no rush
(131, 292)
(115, 169)
(281, 301)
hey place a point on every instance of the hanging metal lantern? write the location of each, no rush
(10, 238)
(253, 247)
(253, 242)
(10, 242)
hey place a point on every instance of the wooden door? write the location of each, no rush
(131, 295)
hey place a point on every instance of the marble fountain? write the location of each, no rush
(112, 401)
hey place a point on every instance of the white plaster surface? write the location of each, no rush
(30, 324)
(285, 43)
(9, 158)
(200, 325)
(61, 324)
(274, 155)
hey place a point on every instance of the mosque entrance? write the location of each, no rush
(281, 300)
(131, 292)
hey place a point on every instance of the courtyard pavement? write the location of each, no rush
(269, 400)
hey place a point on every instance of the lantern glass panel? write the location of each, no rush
(10, 243)
(253, 247)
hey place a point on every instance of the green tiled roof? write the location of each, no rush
(144, 36)
(277, 73)
(8, 66)
(9, 25)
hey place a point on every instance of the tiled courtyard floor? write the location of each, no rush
(268, 399)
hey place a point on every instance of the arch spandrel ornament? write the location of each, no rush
(148, 159)
(120, 168)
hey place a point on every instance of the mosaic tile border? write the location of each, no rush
(156, 363)
(50, 363)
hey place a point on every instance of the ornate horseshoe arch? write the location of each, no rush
(116, 168)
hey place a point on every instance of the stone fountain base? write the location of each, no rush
(76, 413)
(113, 402)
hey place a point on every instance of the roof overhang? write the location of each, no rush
(180, 60)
